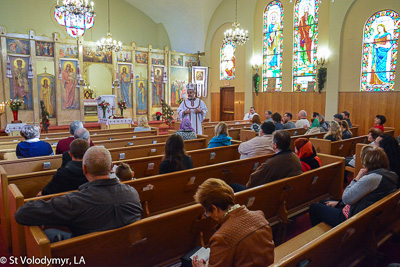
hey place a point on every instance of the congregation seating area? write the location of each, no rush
(172, 223)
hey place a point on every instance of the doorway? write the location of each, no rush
(227, 109)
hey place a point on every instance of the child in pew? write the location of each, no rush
(372, 183)
(124, 172)
(243, 237)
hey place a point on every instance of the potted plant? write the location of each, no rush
(104, 105)
(15, 105)
(122, 106)
(167, 113)
(158, 115)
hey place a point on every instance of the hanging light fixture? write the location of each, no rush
(236, 35)
(108, 44)
(75, 15)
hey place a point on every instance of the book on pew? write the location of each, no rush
(202, 252)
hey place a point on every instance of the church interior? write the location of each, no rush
(129, 59)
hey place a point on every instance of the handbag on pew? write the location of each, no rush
(202, 252)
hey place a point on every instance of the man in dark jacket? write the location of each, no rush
(283, 164)
(71, 176)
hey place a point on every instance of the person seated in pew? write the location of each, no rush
(315, 127)
(302, 122)
(268, 115)
(250, 115)
(379, 122)
(81, 133)
(255, 123)
(98, 205)
(391, 147)
(221, 137)
(143, 125)
(334, 133)
(346, 117)
(259, 145)
(32, 147)
(277, 119)
(124, 172)
(307, 154)
(338, 117)
(71, 176)
(344, 127)
(175, 158)
(373, 134)
(287, 121)
(373, 182)
(323, 125)
(243, 237)
(186, 130)
(283, 164)
(63, 144)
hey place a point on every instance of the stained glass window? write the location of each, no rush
(305, 44)
(227, 62)
(272, 47)
(381, 39)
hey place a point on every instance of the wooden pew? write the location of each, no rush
(351, 241)
(143, 242)
(344, 148)
(296, 131)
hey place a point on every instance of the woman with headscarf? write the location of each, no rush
(307, 154)
(186, 130)
(315, 127)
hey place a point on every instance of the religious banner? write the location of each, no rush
(141, 57)
(124, 56)
(199, 77)
(18, 69)
(158, 78)
(15, 46)
(125, 78)
(179, 80)
(69, 76)
(141, 90)
(68, 51)
(44, 49)
(47, 93)
(91, 54)
(176, 60)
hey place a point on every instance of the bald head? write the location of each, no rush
(97, 163)
(302, 114)
(82, 133)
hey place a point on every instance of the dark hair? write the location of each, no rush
(392, 150)
(78, 148)
(382, 118)
(268, 127)
(289, 115)
(375, 133)
(346, 113)
(174, 151)
(124, 172)
(276, 117)
(252, 108)
(338, 116)
(315, 114)
(269, 112)
(282, 140)
(256, 119)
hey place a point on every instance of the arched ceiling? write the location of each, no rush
(186, 21)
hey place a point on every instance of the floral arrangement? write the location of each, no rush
(121, 104)
(15, 104)
(104, 105)
(158, 115)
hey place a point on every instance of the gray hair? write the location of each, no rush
(82, 133)
(97, 161)
(303, 113)
(30, 131)
(75, 125)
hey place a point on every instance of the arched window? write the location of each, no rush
(305, 44)
(381, 39)
(227, 62)
(272, 47)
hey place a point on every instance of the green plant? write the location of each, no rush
(256, 82)
(167, 113)
(321, 75)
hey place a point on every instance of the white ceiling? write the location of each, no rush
(186, 21)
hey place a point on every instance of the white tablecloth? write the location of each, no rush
(14, 127)
(116, 121)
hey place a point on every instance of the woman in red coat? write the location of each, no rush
(306, 152)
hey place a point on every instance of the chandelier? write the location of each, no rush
(236, 35)
(108, 44)
(76, 15)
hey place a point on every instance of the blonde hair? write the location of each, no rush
(345, 125)
(373, 157)
(97, 161)
(215, 192)
(334, 129)
(221, 128)
(143, 122)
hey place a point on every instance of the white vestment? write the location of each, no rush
(249, 116)
(195, 119)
